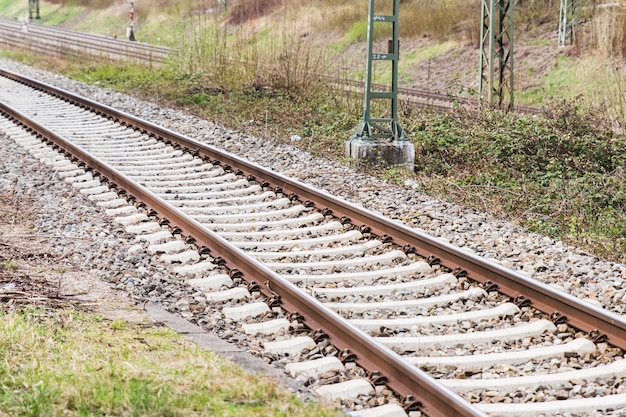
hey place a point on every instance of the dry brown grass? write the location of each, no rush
(606, 32)
(245, 10)
(92, 4)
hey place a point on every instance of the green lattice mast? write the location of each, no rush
(379, 127)
(33, 8)
(567, 19)
(495, 84)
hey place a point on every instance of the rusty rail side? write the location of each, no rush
(406, 379)
(579, 314)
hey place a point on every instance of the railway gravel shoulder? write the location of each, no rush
(544, 259)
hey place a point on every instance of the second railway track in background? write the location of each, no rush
(61, 42)
(280, 259)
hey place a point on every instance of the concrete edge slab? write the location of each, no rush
(226, 350)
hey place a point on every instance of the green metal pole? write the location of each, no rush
(496, 54)
(395, 50)
(511, 56)
(368, 71)
(33, 8)
(567, 20)
(381, 128)
(492, 38)
(482, 61)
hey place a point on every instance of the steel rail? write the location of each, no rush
(54, 41)
(407, 380)
(65, 47)
(78, 35)
(559, 305)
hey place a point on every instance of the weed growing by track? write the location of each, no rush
(561, 174)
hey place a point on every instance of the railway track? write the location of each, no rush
(66, 43)
(279, 260)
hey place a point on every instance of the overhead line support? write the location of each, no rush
(567, 20)
(379, 139)
(495, 79)
(386, 128)
(33, 8)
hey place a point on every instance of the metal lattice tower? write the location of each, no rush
(33, 8)
(567, 17)
(382, 128)
(495, 84)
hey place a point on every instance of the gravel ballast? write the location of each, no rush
(538, 256)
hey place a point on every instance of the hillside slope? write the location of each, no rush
(445, 63)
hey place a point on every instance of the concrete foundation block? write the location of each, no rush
(400, 153)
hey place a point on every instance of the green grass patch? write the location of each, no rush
(563, 80)
(129, 78)
(69, 363)
(9, 265)
(14, 9)
(357, 32)
(561, 175)
(51, 14)
(59, 16)
(103, 23)
(588, 77)
(416, 56)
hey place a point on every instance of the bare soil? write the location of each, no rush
(456, 71)
(33, 275)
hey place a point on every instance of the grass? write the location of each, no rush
(9, 265)
(59, 16)
(598, 80)
(51, 13)
(68, 363)
(561, 175)
(13, 9)
(107, 24)
(567, 78)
